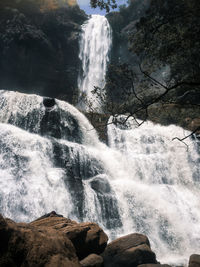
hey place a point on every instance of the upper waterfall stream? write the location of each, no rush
(95, 44)
(51, 159)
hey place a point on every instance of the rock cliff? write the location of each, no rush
(159, 44)
(39, 45)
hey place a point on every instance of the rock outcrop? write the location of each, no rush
(27, 245)
(131, 250)
(87, 238)
(51, 240)
(55, 241)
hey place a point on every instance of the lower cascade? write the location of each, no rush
(51, 159)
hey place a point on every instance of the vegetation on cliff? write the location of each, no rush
(38, 47)
(155, 58)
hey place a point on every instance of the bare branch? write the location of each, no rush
(191, 134)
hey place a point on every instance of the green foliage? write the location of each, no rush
(104, 4)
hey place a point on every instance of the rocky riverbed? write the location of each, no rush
(53, 240)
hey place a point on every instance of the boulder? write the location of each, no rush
(131, 250)
(87, 238)
(93, 260)
(194, 260)
(49, 102)
(26, 245)
(100, 185)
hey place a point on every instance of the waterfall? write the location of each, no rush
(51, 159)
(95, 44)
(159, 194)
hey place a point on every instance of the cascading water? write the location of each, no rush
(159, 195)
(51, 159)
(95, 44)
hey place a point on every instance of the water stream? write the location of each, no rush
(95, 45)
(51, 159)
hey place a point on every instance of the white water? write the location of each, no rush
(159, 195)
(144, 182)
(28, 180)
(95, 44)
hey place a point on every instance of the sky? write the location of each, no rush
(85, 5)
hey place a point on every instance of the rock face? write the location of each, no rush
(194, 260)
(131, 250)
(187, 116)
(26, 245)
(123, 23)
(126, 25)
(87, 238)
(39, 47)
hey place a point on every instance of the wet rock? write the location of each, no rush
(78, 165)
(100, 185)
(194, 260)
(50, 124)
(59, 123)
(93, 260)
(87, 238)
(107, 200)
(49, 102)
(26, 245)
(131, 250)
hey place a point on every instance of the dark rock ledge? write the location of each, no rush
(55, 241)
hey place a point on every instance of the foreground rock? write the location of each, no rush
(26, 245)
(55, 241)
(92, 260)
(131, 250)
(87, 238)
(194, 260)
